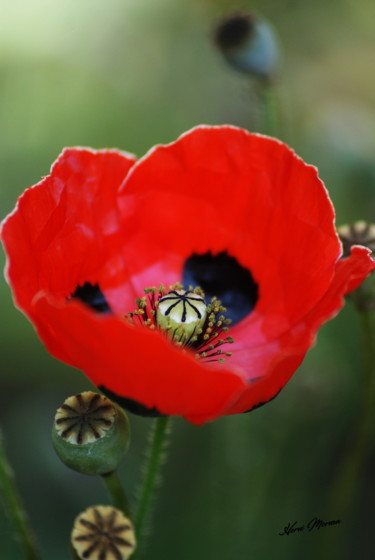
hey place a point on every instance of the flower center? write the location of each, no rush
(181, 313)
(186, 319)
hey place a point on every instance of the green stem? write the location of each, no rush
(348, 478)
(368, 330)
(271, 122)
(357, 455)
(155, 457)
(117, 492)
(14, 508)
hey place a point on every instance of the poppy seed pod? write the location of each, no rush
(249, 45)
(102, 533)
(182, 313)
(90, 434)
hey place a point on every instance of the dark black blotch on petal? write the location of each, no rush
(222, 276)
(129, 404)
(91, 295)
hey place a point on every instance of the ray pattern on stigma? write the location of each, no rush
(186, 319)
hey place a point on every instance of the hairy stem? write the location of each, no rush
(348, 478)
(14, 507)
(155, 457)
(357, 454)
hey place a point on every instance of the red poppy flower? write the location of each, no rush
(238, 214)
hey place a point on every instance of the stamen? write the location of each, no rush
(186, 319)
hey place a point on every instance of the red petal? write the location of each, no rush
(65, 228)
(135, 363)
(275, 363)
(223, 189)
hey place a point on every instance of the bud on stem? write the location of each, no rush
(90, 434)
(102, 533)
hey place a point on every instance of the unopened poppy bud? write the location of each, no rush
(248, 44)
(182, 314)
(90, 433)
(102, 533)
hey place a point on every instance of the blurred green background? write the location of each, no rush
(129, 74)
